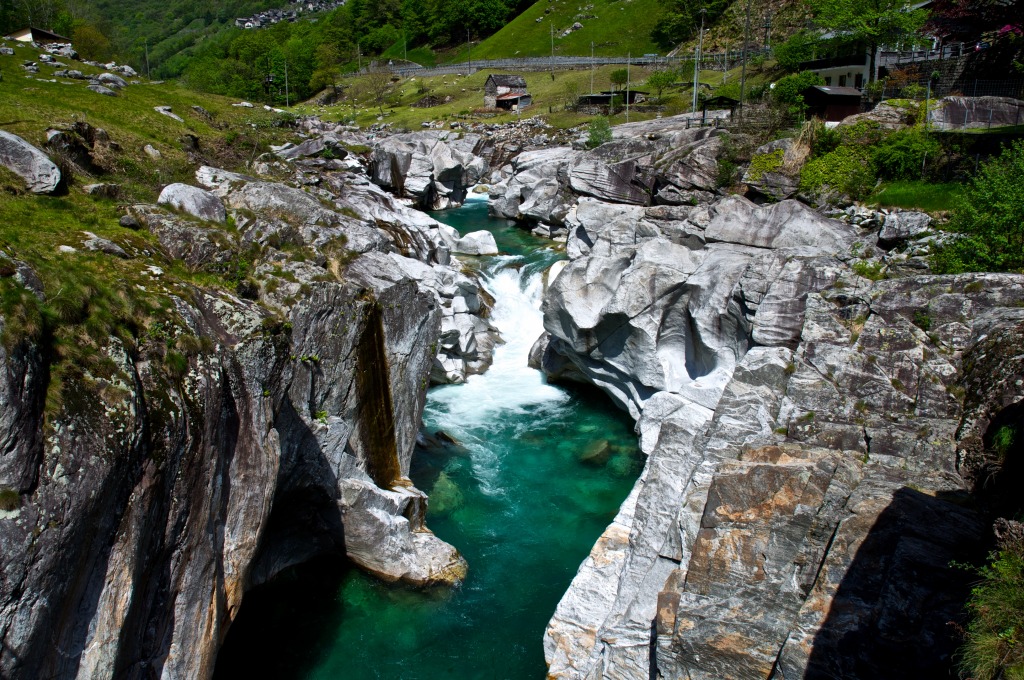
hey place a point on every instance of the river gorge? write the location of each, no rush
(535, 476)
(674, 432)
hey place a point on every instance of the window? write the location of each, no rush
(858, 82)
(828, 80)
(842, 81)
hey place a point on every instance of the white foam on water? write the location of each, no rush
(510, 393)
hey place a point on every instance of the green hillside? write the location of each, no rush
(619, 26)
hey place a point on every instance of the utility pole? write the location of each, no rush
(287, 99)
(627, 85)
(469, 46)
(149, 74)
(725, 71)
(696, 61)
(359, 55)
(405, 46)
(552, 49)
(591, 67)
(743, 71)
(767, 30)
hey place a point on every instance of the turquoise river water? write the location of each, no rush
(515, 498)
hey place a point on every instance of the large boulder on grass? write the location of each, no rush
(40, 173)
(194, 201)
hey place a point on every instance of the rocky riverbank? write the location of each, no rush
(252, 430)
(801, 388)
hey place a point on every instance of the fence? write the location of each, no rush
(710, 61)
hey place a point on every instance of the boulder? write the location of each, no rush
(967, 113)
(788, 224)
(99, 89)
(477, 243)
(111, 80)
(774, 169)
(194, 201)
(166, 111)
(899, 227)
(40, 173)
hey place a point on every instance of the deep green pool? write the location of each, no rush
(514, 498)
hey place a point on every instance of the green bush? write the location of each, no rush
(994, 645)
(788, 88)
(902, 155)
(599, 132)
(846, 169)
(991, 215)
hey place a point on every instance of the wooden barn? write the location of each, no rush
(499, 86)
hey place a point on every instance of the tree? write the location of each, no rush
(378, 85)
(90, 43)
(619, 77)
(681, 20)
(991, 215)
(799, 48)
(787, 90)
(659, 80)
(871, 22)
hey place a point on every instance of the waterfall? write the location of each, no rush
(475, 412)
(540, 473)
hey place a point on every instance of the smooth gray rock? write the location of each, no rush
(903, 226)
(100, 89)
(194, 201)
(166, 111)
(40, 173)
(111, 80)
(477, 243)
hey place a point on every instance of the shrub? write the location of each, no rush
(787, 90)
(991, 215)
(599, 132)
(845, 169)
(994, 644)
(902, 155)
(765, 163)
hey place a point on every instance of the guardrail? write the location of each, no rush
(709, 61)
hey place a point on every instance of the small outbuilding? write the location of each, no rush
(39, 36)
(832, 103)
(513, 101)
(498, 85)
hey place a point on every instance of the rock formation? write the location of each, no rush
(434, 168)
(41, 175)
(664, 162)
(801, 501)
(247, 432)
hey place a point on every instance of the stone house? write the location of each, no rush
(499, 87)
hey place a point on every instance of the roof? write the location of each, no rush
(507, 80)
(512, 95)
(41, 36)
(721, 100)
(832, 91)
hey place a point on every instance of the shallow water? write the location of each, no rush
(514, 497)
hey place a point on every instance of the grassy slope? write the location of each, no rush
(549, 96)
(621, 26)
(89, 296)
